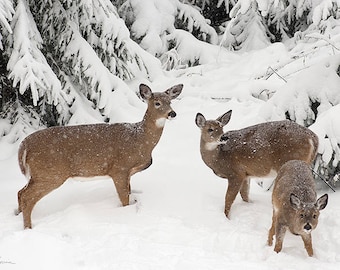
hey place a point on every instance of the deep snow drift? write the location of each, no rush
(178, 220)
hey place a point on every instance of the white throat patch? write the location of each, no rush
(211, 146)
(160, 122)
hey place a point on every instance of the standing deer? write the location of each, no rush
(255, 151)
(295, 205)
(49, 157)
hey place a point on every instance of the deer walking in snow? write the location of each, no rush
(295, 205)
(255, 151)
(49, 157)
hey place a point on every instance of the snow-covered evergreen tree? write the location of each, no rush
(28, 66)
(246, 30)
(152, 22)
(279, 20)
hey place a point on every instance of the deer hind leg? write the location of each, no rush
(244, 191)
(19, 210)
(122, 184)
(307, 240)
(233, 188)
(271, 232)
(29, 195)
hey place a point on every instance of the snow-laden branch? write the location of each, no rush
(151, 21)
(195, 20)
(295, 97)
(27, 64)
(87, 66)
(185, 54)
(327, 128)
(6, 12)
(108, 35)
(324, 10)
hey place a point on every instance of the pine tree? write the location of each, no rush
(28, 66)
(246, 30)
(152, 24)
(285, 18)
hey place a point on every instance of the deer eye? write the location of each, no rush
(157, 104)
(314, 216)
(301, 215)
(210, 130)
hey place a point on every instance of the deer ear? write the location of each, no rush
(145, 91)
(174, 91)
(200, 120)
(225, 118)
(321, 203)
(295, 201)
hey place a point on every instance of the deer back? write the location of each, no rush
(255, 150)
(268, 146)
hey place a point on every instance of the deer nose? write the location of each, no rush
(172, 114)
(224, 138)
(307, 227)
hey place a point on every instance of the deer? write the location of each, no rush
(50, 156)
(295, 204)
(255, 151)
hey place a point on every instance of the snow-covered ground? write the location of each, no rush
(178, 220)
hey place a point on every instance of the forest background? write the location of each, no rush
(66, 62)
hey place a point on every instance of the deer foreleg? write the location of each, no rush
(122, 183)
(233, 189)
(307, 240)
(280, 232)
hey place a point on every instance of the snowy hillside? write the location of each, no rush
(178, 220)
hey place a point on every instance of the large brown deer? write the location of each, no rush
(295, 205)
(50, 156)
(255, 151)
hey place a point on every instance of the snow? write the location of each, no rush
(176, 219)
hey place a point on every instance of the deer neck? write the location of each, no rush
(209, 152)
(152, 128)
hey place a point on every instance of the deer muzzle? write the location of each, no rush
(171, 115)
(224, 138)
(307, 228)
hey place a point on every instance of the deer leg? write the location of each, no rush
(272, 230)
(233, 189)
(280, 232)
(307, 240)
(30, 195)
(19, 210)
(122, 184)
(245, 190)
